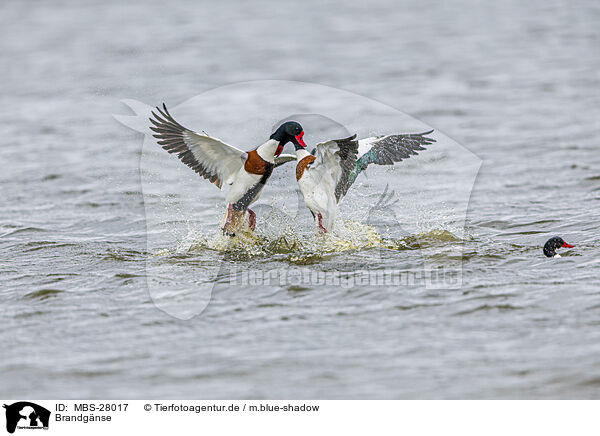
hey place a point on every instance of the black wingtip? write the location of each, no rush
(428, 139)
(159, 109)
(167, 118)
(164, 113)
(154, 118)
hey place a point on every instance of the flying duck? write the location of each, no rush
(325, 175)
(218, 162)
(554, 243)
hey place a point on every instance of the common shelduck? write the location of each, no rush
(211, 158)
(325, 175)
(553, 244)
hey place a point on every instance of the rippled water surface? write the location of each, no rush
(516, 83)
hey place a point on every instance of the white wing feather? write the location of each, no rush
(338, 159)
(327, 162)
(210, 157)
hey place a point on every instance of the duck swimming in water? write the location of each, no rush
(553, 244)
(325, 175)
(218, 162)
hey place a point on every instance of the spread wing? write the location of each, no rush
(338, 158)
(386, 150)
(210, 157)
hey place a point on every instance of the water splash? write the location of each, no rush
(298, 246)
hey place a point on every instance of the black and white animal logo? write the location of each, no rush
(26, 415)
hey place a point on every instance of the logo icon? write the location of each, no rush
(26, 415)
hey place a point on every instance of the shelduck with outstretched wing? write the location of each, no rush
(218, 162)
(325, 175)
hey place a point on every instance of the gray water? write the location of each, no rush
(514, 82)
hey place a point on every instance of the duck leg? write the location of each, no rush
(228, 220)
(320, 223)
(251, 219)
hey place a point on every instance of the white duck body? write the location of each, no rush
(242, 183)
(319, 177)
(318, 188)
(255, 169)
